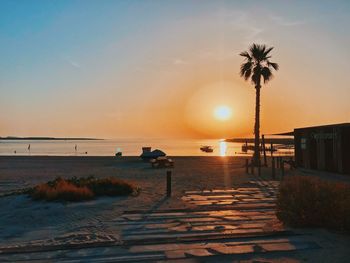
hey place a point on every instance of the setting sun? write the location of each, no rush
(222, 112)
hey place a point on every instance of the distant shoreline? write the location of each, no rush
(48, 139)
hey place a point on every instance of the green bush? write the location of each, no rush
(80, 189)
(310, 202)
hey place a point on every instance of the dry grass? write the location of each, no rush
(80, 189)
(311, 202)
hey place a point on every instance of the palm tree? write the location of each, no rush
(256, 66)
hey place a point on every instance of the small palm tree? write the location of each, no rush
(256, 66)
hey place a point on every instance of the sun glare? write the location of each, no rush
(222, 113)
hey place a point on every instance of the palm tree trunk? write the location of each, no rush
(256, 157)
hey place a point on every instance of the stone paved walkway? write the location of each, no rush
(224, 222)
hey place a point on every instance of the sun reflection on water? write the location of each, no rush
(223, 148)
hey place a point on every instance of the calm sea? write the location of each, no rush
(129, 147)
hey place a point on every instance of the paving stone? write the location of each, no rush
(196, 197)
(235, 218)
(148, 248)
(201, 252)
(263, 217)
(182, 228)
(202, 202)
(175, 254)
(278, 247)
(227, 202)
(252, 225)
(219, 196)
(240, 249)
(203, 219)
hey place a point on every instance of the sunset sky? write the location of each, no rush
(113, 69)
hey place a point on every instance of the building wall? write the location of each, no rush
(345, 150)
(323, 148)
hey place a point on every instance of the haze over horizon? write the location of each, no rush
(110, 69)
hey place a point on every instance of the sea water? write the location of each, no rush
(128, 147)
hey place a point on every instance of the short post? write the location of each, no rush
(168, 183)
(271, 149)
(273, 168)
(252, 166)
(264, 149)
(259, 167)
(247, 166)
(282, 169)
(278, 162)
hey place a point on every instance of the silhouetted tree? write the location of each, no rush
(256, 66)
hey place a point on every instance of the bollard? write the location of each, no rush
(247, 166)
(252, 166)
(264, 149)
(168, 183)
(271, 149)
(259, 167)
(273, 169)
(282, 169)
(278, 162)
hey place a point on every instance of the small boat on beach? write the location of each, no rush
(206, 148)
(148, 154)
(119, 152)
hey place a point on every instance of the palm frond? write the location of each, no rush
(255, 51)
(266, 74)
(247, 74)
(246, 55)
(275, 66)
(247, 66)
(267, 51)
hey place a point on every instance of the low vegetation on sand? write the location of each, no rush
(80, 189)
(311, 202)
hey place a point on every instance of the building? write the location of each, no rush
(324, 148)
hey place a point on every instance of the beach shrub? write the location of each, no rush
(61, 190)
(80, 189)
(310, 202)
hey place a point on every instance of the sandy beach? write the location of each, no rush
(23, 220)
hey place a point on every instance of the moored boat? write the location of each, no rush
(206, 148)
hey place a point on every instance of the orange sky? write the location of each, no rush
(162, 72)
